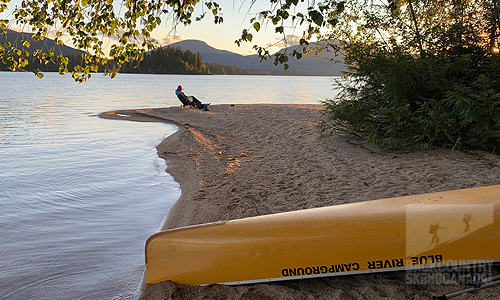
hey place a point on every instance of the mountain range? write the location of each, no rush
(16, 38)
(326, 64)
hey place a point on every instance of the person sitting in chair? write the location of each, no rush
(189, 100)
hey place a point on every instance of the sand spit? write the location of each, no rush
(247, 160)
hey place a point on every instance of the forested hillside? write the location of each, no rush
(165, 60)
(168, 60)
(221, 69)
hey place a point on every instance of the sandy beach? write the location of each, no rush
(248, 160)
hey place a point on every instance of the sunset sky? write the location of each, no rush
(236, 14)
(237, 17)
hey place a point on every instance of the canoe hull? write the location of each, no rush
(393, 234)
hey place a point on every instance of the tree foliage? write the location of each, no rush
(167, 60)
(127, 25)
(90, 24)
(421, 72)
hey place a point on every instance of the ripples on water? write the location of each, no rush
(79, 195)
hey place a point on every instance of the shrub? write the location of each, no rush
(437, 88)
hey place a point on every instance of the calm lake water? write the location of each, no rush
(80, 195)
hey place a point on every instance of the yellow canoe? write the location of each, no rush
(444, 228)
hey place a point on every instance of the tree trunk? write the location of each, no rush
(495, 10)
(417, 31)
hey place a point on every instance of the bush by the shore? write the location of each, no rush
(398, 100)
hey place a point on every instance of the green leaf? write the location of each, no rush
(333, 22)
(286, 66)
(316, 17)
(256, 26)
(38, 73)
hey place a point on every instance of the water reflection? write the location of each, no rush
(80, 195)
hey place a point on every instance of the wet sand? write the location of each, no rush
(248, 160)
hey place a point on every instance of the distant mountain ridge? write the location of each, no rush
(307, 65)
(16, 38)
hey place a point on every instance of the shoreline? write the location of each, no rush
(248, 160)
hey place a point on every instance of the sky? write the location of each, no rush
(236, 14)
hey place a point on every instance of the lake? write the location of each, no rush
(79, 195)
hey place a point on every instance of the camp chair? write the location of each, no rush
(184, 100)
(196, 103)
